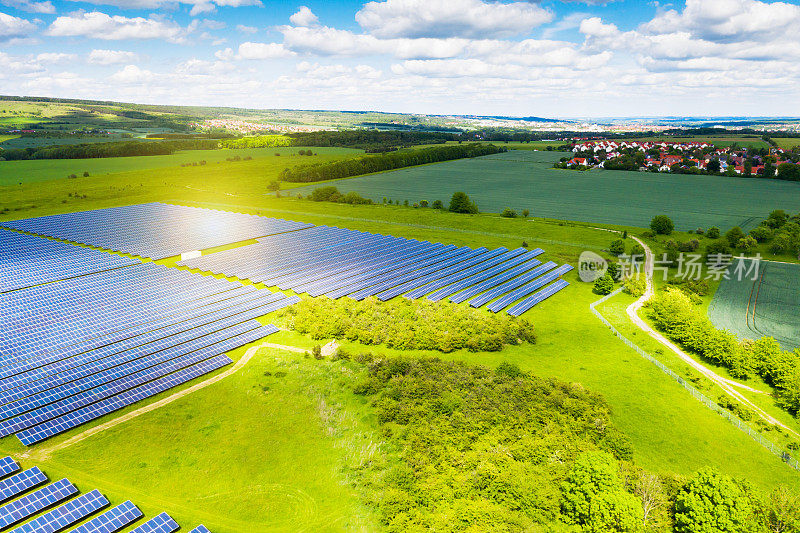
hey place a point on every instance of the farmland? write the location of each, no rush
(525, 180)
(767, 306)
(14, 172)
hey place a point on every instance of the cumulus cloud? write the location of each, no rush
(97, 25)
(197, 6)
(132, 74)
(55, 57)
(112, 57)
(448, 18)
(304, 17)
(13, 27)
(46, 8)
(251, 50)
(246, 29)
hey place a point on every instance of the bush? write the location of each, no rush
(508, 213)
(408, 324)
(713, 232)
(437, 204)
(604, 285)
(734, 235)
(526, 213)
(461, 203)
(617, 247)
(712, 502)
(662, 225)
(636, 286)
(761, 233)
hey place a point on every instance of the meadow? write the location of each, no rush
(721, 141)
(16, 172)
(525, 180)
(787, 142)
(766, 306)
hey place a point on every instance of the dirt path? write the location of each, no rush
(44, 453)
(727, 385)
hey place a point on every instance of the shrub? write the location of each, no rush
(437, 204)
(526, 213)
(712, 502)
(508, 213)
(461, 203)
(761, 233)
(617, 247)
(662, 225)
(713, 232)
(85, 174)
(734, 235)
(408, 324)
(604, 285)
(635, 285)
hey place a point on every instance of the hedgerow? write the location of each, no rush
(408, 324)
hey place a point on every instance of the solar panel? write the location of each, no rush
(200, 529)
(31, 504)
(22, 482)
(112, 520)
(61, 517)
(8, 466)
(162, 523)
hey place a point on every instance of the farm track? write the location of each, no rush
(727, 385)
(45, 453)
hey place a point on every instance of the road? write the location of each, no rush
(727, 385)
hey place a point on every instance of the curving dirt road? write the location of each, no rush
(727, 385)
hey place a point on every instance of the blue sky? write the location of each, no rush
(548, 58)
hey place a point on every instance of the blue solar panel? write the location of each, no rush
(540, 296)
(22, 482)
(200, 529)
(162, 523)
(112, 520)
(8, 466)
(33, 503)
(61, 517)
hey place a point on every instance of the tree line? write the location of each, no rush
(389, 161)
(109, 149)
(370, 140)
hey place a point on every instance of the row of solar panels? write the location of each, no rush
(74, 351)
(38, 511)
(338, 262)
(154, 230)
(28, 260)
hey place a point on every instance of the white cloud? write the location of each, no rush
(11, 27)
(112, 57)
(97, 25)
(200, 67)
(448, 18)
(55, 57)
(132, 74)
(30, 6)
(198, 6)
(246, 29)
(250, 50)
(304, 17)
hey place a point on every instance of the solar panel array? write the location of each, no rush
(28, 260)
(339, 262)
(73, 351)
(42, 510)
(155, 230)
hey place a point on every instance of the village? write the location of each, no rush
(684, 158)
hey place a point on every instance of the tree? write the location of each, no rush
(713, 232)
(783, 511)
(769, 169)
(274, 185)
(777, 219)
(713, 166)
(508, 213)
(460, 203)
(761, 233)
(712, 503)
(437, 204)
(789, 171)
(617, 247)
(734, 235)
(604, 285)
(747, 243)
(662, 225)
(526, 213)
(593, 496)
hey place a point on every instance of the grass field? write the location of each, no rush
(767, 306)
(722, 141)
(787, 142)
(18, 142)
(14, 172)
(525, 180)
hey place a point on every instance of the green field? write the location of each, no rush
(14, 172)
(525, 180)
(19, 142)
(767, 306)
(787, 142)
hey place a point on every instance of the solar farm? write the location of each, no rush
(95, 323)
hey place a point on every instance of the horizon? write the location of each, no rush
(465, 57)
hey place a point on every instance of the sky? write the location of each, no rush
(548, 58)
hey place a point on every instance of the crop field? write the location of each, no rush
(15, 172)
(766, 306)
(787, 142)
(17, 142)
(722, 141)
(525, 180)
